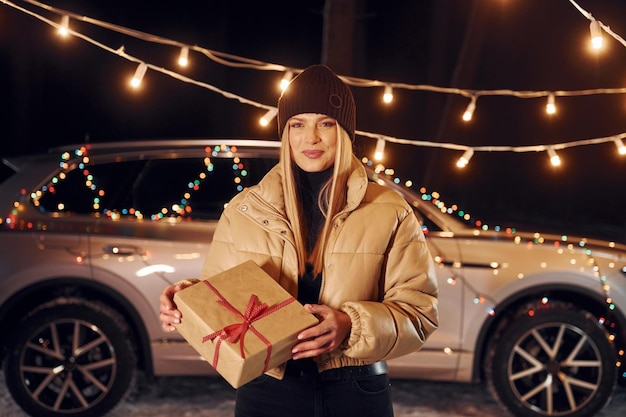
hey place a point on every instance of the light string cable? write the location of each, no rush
(517, 149)
(217, 56)
(121, 53)
(241, 62)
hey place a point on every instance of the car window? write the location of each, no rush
(194, 188)
(427, 224)
(5, 172)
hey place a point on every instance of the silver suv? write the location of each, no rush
(91, 234)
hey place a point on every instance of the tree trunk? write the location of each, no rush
(338, 35)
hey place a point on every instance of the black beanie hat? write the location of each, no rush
(317, 89)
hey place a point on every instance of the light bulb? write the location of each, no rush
(621, 149)
(65, 24)
(596, 34)
(268, 117)
(465, 158)
(388, 95)
(554, 158)
(550, 105)
(380, 149)
(183, 58)
(139, 73)
(284, 82)
(469, 111)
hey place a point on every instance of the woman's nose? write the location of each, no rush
(312, 135)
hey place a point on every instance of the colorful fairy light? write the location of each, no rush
(176, 209)
(537, 239)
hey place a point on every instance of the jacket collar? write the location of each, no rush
(270, 188)
(357, 185)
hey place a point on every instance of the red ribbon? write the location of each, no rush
(236, 332)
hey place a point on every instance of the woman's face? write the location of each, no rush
(313, 141)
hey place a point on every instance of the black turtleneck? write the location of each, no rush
(309, 186)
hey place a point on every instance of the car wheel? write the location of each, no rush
(553, 363)
(69, 357)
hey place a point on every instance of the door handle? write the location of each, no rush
(120, 250)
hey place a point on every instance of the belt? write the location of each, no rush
(346, 372)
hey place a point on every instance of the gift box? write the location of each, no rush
(241, 321)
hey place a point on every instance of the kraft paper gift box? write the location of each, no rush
(241, 321)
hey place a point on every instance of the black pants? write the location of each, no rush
(331, 395)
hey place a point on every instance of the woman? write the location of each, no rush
(351, 251)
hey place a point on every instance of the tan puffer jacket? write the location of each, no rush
(378, 268)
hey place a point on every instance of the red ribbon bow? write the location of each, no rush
(236, 332)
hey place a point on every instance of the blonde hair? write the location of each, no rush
(331, 200)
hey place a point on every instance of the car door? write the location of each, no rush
(442, 356)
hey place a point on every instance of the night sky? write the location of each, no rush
(65, 91)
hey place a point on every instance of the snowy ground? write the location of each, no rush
(212, 397)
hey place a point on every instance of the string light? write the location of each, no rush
(490, 149)
(550, 105)
(380, 149)
(596, 34)
(465, 158)
(139, 73)
(621, 149)
(602, 26)
(240, 62)
(284, 82)
(183, 58)
(65, 25)
(268, 117)
(554, 158)
(469, 111)
(388, 95)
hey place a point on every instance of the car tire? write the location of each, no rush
(553, 363)
(70, 357)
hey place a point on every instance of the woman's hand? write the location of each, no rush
(324, 337)
(169, 314)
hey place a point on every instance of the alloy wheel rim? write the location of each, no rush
(555, 369)
(68, 365)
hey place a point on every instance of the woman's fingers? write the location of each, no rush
(169, 315)
(324, 337)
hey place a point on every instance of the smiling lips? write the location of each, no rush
(313, 154)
